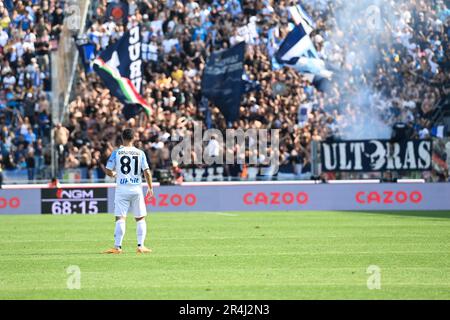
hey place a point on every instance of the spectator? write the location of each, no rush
(213, 151)
(54, 183)
(31, 165)
(177, 173)
(61, 136)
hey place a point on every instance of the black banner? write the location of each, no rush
(222, 80)
(74, 200)
(376, 155)
(86, 52)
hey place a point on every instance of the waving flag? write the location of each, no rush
(120, 68)
(298, 52)
(86, 52)
(222, 80)
(300, 16)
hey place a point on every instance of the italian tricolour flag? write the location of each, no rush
(120, 87)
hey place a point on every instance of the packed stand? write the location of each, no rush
(380, 78)
(29, 30)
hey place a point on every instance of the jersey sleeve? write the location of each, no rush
(111, 164)
(144, 163)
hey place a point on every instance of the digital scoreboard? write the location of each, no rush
(74, 200)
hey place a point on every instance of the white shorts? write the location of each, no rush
(130, 201)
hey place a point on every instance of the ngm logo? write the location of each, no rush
(74, 194)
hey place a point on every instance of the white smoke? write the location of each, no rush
(352, 49)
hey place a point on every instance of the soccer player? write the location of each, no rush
(126, 165)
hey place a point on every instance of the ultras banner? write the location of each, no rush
(376, 155)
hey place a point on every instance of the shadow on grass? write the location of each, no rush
(420, 214)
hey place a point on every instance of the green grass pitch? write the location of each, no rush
(263, 255)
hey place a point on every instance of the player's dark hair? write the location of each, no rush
(127, 135)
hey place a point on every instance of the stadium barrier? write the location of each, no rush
(232, 196)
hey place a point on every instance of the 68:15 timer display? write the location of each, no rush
(74, 200)
(73, 207)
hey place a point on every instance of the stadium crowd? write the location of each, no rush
(403, 85)
(382, 77)
(29, 30)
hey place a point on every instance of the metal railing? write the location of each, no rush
(63, 65)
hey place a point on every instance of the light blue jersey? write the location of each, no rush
(129, 163)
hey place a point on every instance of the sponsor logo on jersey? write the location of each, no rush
(130, 180)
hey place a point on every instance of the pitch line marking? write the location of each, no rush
(222, 214)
